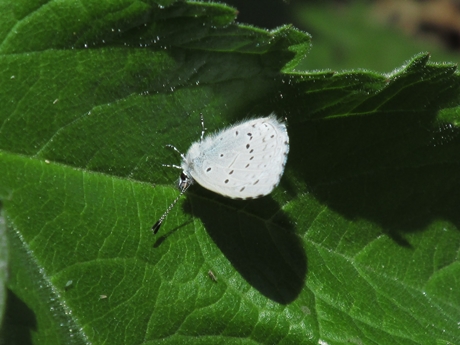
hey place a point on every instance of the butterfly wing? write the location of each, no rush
(244, 161)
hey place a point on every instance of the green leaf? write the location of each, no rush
(358, 244)
(3, 267)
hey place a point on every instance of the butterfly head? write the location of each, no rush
(184, 182)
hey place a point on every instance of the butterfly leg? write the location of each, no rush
(203, 129)
(171, 166)
(175, 149)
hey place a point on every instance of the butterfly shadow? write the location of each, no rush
(20, 321)
(257, 238)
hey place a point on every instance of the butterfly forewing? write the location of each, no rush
(244, 161)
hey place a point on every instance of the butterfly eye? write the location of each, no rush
(184, 182)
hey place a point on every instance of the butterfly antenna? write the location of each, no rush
(157, 225)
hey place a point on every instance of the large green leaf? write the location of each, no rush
(3, 267)
(358, 244)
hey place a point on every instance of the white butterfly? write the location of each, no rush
(244, 161)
